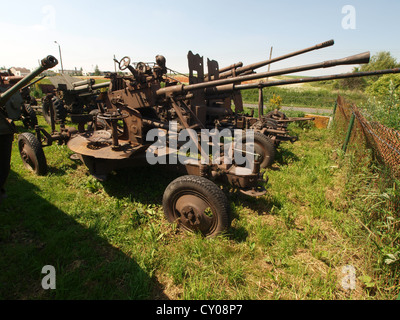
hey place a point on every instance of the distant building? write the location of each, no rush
(20, 72)
(68, 72)
(87, 73)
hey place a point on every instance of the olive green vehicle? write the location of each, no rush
(10, 110)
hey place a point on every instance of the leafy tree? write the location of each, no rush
(380, 61)
(373, 85)
(97, 71)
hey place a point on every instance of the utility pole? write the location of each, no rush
(59, 49)
(270, 57)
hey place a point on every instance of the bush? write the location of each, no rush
(384, 87)
(275, 101)
(385, 106)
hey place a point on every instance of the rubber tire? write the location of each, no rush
(210, 193)
(37, 158)
(60, 113)
(30, 118)
(266, 145)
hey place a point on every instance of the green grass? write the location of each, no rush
(111, 241)
(305, 96)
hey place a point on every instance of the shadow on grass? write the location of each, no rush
(284, 156)
(145, 184)
(34, 233)
(261, 205)
(61, 171)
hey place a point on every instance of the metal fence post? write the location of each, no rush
(350, 128)
(334, 110)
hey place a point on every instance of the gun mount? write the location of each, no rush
(211, 100)
(147, 100)
(273, 125)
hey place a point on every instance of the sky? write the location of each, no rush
(90, 33)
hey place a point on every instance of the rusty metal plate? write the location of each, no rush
(81, 144)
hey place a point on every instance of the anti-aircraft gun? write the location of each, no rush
(270, 129)
(213, 103)
(71, 96)
(146, 100)
(219, 108)
(10, 110)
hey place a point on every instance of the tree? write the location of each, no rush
(97, 71)
(380, 61)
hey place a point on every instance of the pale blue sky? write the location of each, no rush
(91, 32)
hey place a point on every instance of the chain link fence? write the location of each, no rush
(383, 141)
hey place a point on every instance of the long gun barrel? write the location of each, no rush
(181, 89)
(249, 68)
(46, 63)
(88, 86)
(315, 79)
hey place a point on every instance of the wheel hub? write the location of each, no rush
(190, 215)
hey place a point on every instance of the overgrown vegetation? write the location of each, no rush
(375, 197)
(384, 106)
(111, 241)
(324, 210)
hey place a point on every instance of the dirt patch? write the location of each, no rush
(165, 289)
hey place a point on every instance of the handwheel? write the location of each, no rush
(141, 66)
(264, 147)
(124, 63)
(197, 205)
(32, 154)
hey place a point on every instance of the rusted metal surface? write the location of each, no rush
(219, 98)
(133, 106)
(90, 144)
(147, 99)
